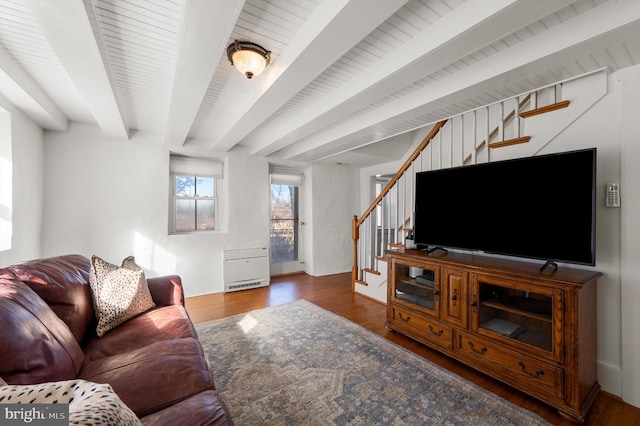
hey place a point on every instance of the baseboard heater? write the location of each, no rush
(245, 268)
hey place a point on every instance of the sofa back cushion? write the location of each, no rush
(35, 345)
(62, 282)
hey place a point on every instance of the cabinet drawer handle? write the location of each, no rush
(474, 303)
(437, 333)
(481, 351)
(407, 319)
(534, 375)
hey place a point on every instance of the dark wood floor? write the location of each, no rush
(333, 293)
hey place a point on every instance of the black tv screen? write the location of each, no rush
(540, 207)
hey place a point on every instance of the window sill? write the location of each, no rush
(203, 232)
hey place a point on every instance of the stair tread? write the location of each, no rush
(361, 282)
(371, 271)
(544, 109)
(510, 142)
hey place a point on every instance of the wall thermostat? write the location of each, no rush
(613, 195)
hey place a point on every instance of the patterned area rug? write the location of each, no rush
(298, 364)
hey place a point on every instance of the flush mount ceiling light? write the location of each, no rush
(249, 58)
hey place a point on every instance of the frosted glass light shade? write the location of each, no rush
(249, 63)
(249, 58)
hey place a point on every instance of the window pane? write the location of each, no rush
(284, 223)
(206, 214)
(204, 186)
(185, 186)
(185, 215)
(283, 202)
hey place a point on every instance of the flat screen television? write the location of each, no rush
(541, 207)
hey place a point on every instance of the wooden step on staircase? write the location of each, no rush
(553, 107)
(375, 272)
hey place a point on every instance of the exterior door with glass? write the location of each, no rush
(285, 225)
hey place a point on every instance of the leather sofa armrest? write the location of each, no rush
(166, 290)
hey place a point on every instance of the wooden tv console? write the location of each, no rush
(535, 331)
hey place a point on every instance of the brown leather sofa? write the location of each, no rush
(154, 361)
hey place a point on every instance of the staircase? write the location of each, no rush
(476, 136)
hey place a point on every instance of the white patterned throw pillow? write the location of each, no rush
(119, 292)
(89, 403)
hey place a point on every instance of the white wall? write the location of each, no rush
(109, 197)
(629, 81)
(611, 126)
(21, 155)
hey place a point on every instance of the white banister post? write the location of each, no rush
(430, 156)
(402, 203)
(516, 117)
(374, 234)
(501, 122)
(462, 141)
(451, 142)
(381, 237)
(386, 202)
(474, 135)
(486, 139)
(440, 150)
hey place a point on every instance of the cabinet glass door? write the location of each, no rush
(521, 313)
(417, 286)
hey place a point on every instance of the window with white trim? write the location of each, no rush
(194, 194)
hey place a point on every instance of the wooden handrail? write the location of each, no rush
(405, 166)
(355, 223)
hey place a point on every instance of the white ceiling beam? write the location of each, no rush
(67, 26)
(206, 28)
(469, 27)
(22, 91)
(580, 35)
(333, 29)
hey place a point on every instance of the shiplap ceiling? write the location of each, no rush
(348, 78)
